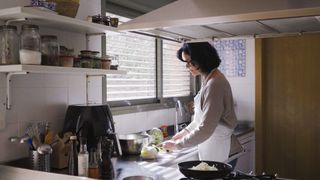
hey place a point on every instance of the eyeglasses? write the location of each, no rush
(189, 63)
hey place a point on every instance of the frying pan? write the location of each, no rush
(223, 170)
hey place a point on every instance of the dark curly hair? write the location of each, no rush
(202, 54)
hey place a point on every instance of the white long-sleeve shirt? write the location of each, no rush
(216, 106)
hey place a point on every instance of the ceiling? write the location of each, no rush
(219, 19)
(134, 8)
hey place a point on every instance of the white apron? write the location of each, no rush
(217, 146)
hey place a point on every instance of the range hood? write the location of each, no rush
(203, 19)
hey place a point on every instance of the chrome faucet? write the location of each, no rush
(179, 115)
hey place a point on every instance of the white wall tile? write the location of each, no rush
(157, 118)
(9, 150)
(30, 102)
(76, 95)
(56, 100)
(55, 80)
(3, 80)
(171, 116)
(27, 80)
(140, 122)
(123, 123)
(76, 80)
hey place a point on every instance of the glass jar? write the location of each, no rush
(96, 63)
(50, 50)
(9, 45)
(106, 62)
(86, 59)
(77, 62)
(30, 45)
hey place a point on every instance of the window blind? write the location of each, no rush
(176, 78)
(135, 54)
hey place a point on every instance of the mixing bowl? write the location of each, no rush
(132, 143)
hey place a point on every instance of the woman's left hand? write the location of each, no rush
(169, 145)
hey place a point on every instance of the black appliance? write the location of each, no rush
(92, 122)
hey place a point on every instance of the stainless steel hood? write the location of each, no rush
(202, 19)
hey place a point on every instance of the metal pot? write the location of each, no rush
(133, 143)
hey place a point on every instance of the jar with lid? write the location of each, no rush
(50, 50)
(96, 62)
(9, 45)
(30, 45)
(86, 59)
(106, 62)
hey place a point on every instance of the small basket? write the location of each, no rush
(40, 162)
(67, 7)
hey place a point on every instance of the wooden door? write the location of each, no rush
(288, 106)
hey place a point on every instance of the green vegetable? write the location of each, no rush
(157, 136)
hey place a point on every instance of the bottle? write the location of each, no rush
(93, 164)
(73, 156)
(9, 45)
(83, 159)
(107, 170)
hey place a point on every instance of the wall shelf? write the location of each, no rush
(56, 70)
(52, 20)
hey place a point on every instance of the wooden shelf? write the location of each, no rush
(52, 20)
(56, 70)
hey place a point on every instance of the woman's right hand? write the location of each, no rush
(179, 135)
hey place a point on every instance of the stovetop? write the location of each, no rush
(243, 176)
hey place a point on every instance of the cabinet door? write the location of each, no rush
(287, 106)
(245, 162)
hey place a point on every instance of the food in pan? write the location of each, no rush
(203, 166)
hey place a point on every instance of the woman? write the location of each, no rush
(214, 118)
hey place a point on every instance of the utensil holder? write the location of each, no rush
(40, 162)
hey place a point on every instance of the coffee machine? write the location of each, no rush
(92, 122)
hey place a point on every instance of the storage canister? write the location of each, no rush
(30, 45)
(50, 50)
(106, 62)
(9, 45)
(86, 59)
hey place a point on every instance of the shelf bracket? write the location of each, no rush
(8, 77)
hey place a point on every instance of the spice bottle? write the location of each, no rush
(73, 156)
(9, 45)
(93, 164)
(83, 159)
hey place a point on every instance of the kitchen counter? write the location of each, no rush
(163, 168)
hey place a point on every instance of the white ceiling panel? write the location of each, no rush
(195, 32)
(241, 28)
(302, 24)
(165, 34)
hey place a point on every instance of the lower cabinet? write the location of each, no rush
(246, 162)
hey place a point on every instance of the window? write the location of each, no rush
(136, 55)
(176, 78)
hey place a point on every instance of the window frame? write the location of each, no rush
(159, 102)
